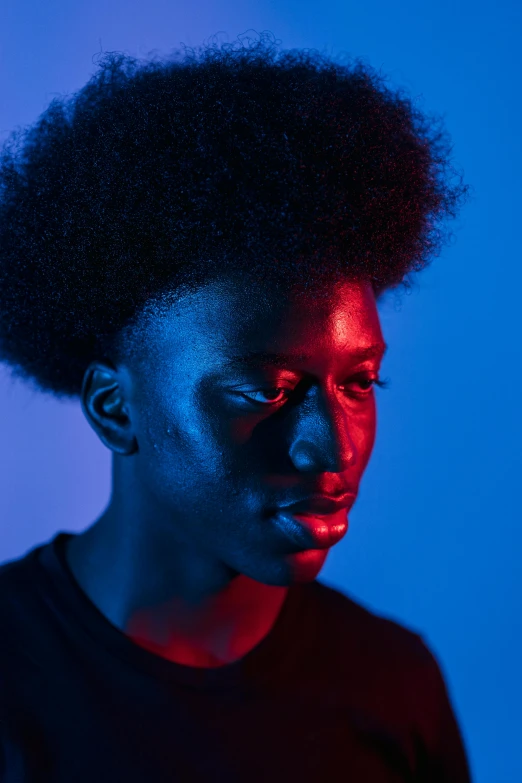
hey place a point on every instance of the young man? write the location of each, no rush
(195, 251)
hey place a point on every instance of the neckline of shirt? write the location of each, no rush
(273, 652)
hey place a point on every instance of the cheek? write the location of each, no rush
(180, 456)
(365, 434)
(371, 441)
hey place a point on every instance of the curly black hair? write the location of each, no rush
(162, 174)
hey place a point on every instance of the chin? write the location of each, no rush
(306, 565)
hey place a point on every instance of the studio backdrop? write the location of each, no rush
(435, 535)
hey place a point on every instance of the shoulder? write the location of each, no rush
(22, 607)
(375, 632)
(390, 654)
(17, 583)
(381, 649)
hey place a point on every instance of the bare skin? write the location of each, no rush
(186, 560)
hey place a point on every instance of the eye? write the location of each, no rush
(360, 380)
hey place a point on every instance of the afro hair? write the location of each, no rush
(161, 174)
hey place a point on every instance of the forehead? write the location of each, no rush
(235, 317)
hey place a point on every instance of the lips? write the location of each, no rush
(321, 505)
(313, 532)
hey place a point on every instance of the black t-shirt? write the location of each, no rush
(333, 693)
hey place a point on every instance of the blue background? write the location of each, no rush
(435, 535)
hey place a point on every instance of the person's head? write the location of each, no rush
(174, 215)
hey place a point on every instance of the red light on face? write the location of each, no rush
(313, 532)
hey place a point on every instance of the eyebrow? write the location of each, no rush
(264, 358)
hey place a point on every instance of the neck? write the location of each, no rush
(203, 623)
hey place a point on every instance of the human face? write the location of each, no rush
(222, 444)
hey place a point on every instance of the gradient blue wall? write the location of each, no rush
(435, 536)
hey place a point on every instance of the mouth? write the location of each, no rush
(313, 531)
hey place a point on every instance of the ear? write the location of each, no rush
(104, 406)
